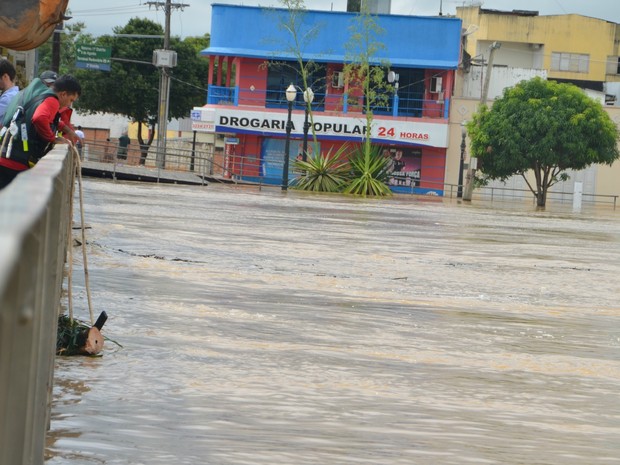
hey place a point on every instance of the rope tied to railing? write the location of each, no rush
(77, 173)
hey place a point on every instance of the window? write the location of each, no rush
(410, 91)
(572, 62)
(613, 64)
(281, 74)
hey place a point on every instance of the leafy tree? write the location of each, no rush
(300, 35)
(543, 127)
(361, 71)
(369, 167)
(131, 88)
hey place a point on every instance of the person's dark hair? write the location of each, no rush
(67, 83)
(6, 67)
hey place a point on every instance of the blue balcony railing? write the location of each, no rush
(219, 95)
(406, 105)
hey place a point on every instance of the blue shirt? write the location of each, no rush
(5, 99)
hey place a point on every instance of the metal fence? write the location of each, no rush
(507, 194)
(180, 155)
(35, 218)
(404, 104)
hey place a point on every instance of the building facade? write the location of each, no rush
(571, 48)
(253, 61)
(565, 48)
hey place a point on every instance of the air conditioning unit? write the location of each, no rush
(338, 80)
(436, 85)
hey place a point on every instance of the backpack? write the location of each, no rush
(18, 136)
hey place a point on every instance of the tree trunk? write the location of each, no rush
(145, 145)
(541, 194)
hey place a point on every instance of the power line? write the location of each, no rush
(167, 6)
(109, 11)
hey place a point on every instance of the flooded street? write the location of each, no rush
(261, 328)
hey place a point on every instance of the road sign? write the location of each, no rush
(93, 57)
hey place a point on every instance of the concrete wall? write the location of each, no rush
(33, 243)
(501, 77)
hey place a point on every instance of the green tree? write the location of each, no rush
(543, 127)
(366, 76)
(301, 34)
(131, 87)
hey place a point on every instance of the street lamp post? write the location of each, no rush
(308, 98)
(291, 94)
(459, 192)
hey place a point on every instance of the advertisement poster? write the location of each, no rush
(272, 158)
(405, 167)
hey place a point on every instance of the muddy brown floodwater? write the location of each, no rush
(262, 328)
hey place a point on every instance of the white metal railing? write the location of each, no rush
(35, 222)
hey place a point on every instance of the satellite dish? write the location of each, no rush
(392, 76)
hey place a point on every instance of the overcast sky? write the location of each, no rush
(195, 19)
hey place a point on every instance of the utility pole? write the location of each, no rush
(56, 46)
(471, 169)
(487, 78)
(164, 61)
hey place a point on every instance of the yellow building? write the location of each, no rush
(570, 48)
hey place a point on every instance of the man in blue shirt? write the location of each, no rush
(7, 85)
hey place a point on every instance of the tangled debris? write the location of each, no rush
(76, 338)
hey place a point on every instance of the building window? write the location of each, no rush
(572, 62)
(410, 91)
(613, 64)
(281, 74)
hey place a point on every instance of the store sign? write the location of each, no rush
(383, 131)
(203, 126)
(203, 119)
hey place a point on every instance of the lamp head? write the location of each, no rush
(291, 93)
(308, 95)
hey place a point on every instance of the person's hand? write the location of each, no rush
(62, 140)
(70, 135)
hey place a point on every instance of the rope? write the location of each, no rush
(78, 167)
(70, 247)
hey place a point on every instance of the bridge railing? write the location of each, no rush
(35, 221)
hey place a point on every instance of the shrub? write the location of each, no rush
(323, 172)
(369, 172)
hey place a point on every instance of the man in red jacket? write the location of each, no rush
(49, 78)
(35, 134)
